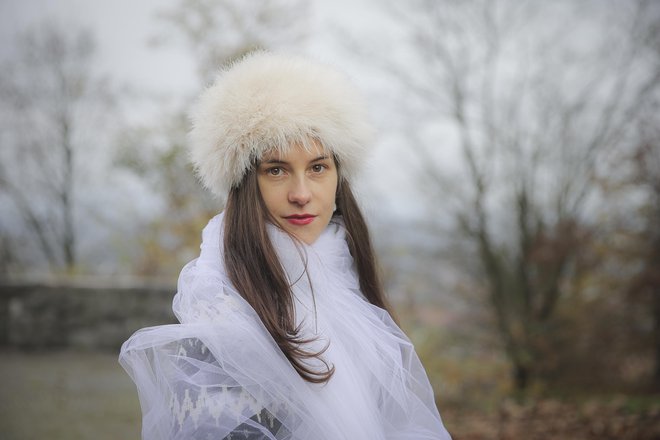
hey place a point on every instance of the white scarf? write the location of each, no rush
(219, 373)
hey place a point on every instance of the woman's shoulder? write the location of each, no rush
(210, 255)
(216, 219)
(213, 230)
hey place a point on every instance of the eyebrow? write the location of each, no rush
(278, 161)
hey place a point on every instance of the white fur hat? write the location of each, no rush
(269, 101)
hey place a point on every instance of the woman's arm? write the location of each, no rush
(202, 409)
(248, 432)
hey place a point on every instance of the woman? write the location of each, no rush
(285, 332)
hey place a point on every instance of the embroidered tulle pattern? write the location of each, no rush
(190, 404)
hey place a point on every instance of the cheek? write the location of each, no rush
(330, 193)
(269, 195)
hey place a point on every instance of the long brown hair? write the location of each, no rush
(255, 270)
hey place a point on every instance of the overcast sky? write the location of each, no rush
(123, 30)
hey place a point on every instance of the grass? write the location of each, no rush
(74, 396)
(66, 395)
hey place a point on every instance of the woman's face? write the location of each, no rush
(299, 189)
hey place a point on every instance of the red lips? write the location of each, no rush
(300, 219)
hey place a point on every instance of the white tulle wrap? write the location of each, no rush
(219, 374)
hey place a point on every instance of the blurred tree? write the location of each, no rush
(219, 31)
(645, 286)
(158, 156)
(647, 161)
(532, 95)
(215, 32)
(611, 331)
(53, 105)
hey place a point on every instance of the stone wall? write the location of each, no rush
(90, 317)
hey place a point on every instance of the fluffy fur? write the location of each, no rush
(271, 101)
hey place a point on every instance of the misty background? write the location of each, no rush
(513, 194)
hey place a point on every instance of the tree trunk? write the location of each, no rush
(68, 232)
(656, 319)
(521, 375)
(653, 271)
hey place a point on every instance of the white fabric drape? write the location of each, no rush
(219, 374)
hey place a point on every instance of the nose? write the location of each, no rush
(300, 193)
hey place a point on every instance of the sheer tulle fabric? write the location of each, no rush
(220, 375)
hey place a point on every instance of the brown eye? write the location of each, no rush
(275, 171)
(318, 168)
